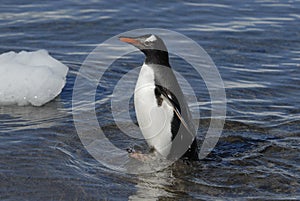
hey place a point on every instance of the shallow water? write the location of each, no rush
(255, 46)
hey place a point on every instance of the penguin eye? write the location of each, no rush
(147, 43)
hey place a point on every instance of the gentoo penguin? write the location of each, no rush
(161, 109)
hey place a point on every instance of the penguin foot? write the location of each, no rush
(139, 156)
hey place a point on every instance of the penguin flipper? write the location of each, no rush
(172, 101)
(166, 95)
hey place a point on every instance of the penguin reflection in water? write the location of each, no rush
(161, 109)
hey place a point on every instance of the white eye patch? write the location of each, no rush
(152, 38)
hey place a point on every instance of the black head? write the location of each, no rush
(152, 46)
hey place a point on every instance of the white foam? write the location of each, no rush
(30, 78)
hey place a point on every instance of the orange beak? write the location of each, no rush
(129, 40)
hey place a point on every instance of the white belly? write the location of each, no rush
(154, 121)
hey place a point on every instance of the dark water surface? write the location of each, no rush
(256, 48)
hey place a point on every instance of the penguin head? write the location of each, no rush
(149, 44)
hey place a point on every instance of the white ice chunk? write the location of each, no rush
(30, 78)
